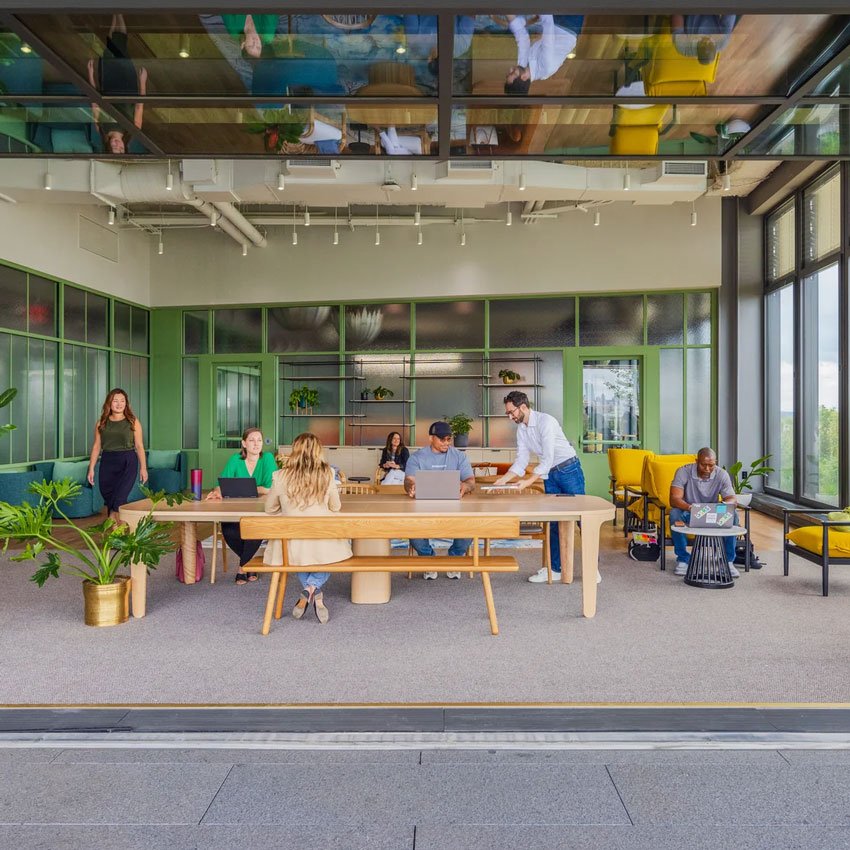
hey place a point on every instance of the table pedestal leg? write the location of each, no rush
(189, 540)
(371, 588)
(590, 527)
(567, 542)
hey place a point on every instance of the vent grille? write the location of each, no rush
(671, 168)
(474, 165)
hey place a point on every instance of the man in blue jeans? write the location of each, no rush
(702, 482)
(439, 454)
(558, 464)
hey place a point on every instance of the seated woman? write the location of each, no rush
(393, 460)
(305, 487)
(250, 462)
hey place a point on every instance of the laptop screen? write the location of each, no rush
(238, 488)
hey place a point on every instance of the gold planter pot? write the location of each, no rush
(107, 604)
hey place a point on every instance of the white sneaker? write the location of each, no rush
(452, 575)
(735, 573)
(543, 575)
(429, 575)
(681, 569)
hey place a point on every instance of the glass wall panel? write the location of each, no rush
(238, 331)
(18, 408)
(190, 404)
(303, 329)
(611, 401)
(84, 387)
(42, 306)
(519, 322)
(665, 319)
(97, 327)
(377, 327)
(13, 299)
(780, 380)
(86, 316)
(616, 320)
(820, 380)
(140, 330)
(370, 420)
(196, 332)
(781, 257)
(822, 217)
(698, 398)
(671, 400)
(122, 323)
(447, 384)
(699, 318)
(450, 324)
(74, 313)
(320, 373)
(131, 374)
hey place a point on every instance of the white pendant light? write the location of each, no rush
(244, 249)
(627, 181)
(214, 218)
(419, 237)
(110, 218)
(306, 217)
(414, 182)
(417, 216)
(294, 232)
(377, 227)
(48, 179)
(727, 181)
(521, 185)
(693, 215)
(169, 179)
(336, 232)
(183, 51)
(160, 249)
(509, 219)
(597, 218)
(281, 180)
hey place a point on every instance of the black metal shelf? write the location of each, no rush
(324, 378)
(381, 400)
(382, 424)
(514, 384)
(319, 415)
(442, 377)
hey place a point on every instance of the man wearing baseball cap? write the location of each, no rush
(439, 454)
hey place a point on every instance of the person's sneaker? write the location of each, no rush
(735, 573)
(681, 569)
(452, 575)
(542, 575)
(429, 575)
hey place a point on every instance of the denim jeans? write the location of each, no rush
(680, 542)
(313, 579)
(423, 546)
(569, 480)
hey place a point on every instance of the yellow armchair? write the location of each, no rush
(656, 477)
(626, 468)
(667, 73)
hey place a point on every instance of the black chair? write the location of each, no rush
(822, 558)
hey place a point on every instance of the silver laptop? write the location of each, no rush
(438, 484)
(717, 515)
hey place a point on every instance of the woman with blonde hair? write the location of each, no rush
(306, 487)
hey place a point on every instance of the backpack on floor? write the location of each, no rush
(644, 546)
(741, 555)
(199, 564)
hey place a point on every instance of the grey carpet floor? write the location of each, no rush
(654, 639)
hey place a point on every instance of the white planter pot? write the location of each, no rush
(744, 499)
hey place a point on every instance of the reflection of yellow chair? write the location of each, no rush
(637, 131)
(626, 467)
(667, 73)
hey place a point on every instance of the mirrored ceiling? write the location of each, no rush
(366, 85)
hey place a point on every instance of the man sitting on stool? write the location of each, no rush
(701, 483)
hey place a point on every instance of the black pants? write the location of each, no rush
(244, 549)
(117, 475)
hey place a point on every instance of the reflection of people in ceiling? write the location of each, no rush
(114, 73)
(540, 60)
(253, 31)
(396, 145)
(703, 36)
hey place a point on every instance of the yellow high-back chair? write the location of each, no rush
(667, 73)
(626, 467)
(656, 477)
(637, 131)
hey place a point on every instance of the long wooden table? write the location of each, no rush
(591, 511)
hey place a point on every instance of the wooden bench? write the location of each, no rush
(379, 528)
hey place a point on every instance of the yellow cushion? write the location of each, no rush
(810, 537)
(626, 465)
(634, 140)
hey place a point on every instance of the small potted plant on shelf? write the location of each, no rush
(382, 393)
(461, 425)
(365, 393)
(96, 554)
(508, 376)
(742, 478)
(303, 399)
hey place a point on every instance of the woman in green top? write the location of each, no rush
(118, 435)
(251, 462)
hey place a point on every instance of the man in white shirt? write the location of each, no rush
(558, 464)
(540, 60)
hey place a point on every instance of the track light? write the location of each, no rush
(183, 52)
(244, 249)
(419, 237)
(727, 182)
(169, 179)
(597, 218)
(414, 182)
(693, 215)
(111, 216)
(627, 181)
(306, 217)
(417, 218)
(281, 181)
(509, 219)
(48, 181)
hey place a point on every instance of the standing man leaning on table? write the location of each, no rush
(558, 465)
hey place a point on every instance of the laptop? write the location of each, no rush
(438, 484)
(238, 488)
(715, 515)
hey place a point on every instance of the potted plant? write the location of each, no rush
(381, 393)
(508, 376)
(96, 555)
(364, 394)
(461, 425)
(741, 478)
(280, 128)
(303, 398)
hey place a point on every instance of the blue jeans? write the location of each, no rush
(423, 546)
(680, 541)
(569, 480)
(313, 579)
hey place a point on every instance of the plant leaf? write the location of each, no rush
(48, 570)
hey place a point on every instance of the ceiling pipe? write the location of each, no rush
(183, 220)
(241, 223)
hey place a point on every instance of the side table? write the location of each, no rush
(359, 479)
(708, 566)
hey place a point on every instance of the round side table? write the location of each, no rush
(708, 566)
(359, 479)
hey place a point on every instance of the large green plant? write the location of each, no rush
(460, 423)
(741, 479)
(99, 552)
(5, 400)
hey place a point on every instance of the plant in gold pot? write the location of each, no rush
(508, 376)
(96, 555)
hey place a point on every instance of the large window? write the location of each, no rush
(780, 381)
